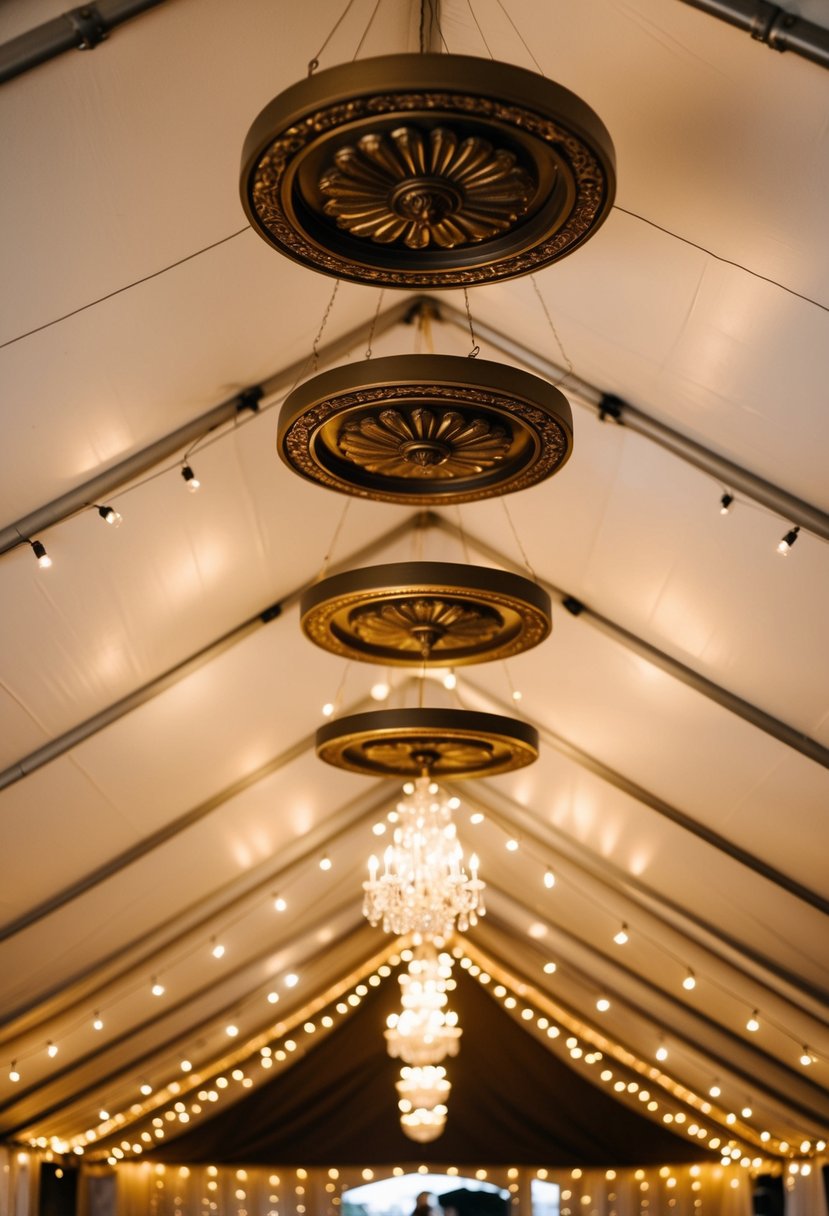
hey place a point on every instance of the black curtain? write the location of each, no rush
(512, 1103)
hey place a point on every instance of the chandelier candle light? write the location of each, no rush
(424, 887)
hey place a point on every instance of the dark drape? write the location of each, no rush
(512, 1103)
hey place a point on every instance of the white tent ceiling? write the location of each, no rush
(179, 789)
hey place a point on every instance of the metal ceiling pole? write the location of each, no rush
(790, 509)
(110, 481)
(79, 29)
(772, 25)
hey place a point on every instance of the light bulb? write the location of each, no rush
(380, 690)
(549, 879)
(662, 1052)
(746, 1112)
(291, 980)
(788, 540)
(550, 968)
(190, 479)
(725, 503)
(603, 1004)
(14, 1075)
(715, 1091)
(273, 997)
(512, 845)
(231, 1030)
(325, 862)
(218, 949)
(110, 516)
(97, 1022)
(516, 695)
(450, 681)
(39, 550)
(621, 938)
(103, 1115)
(186, 1066)
(690, 982)
(146, 1089)
(51, 1049)
(157, 988)
(753, 1022)
(327, 709)
(279, 903)
(806, 1057)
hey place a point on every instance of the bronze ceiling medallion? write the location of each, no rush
(437, 613)
(427, 171)
(435, 742)
(425, 429)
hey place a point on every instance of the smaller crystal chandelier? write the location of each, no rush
(424, 887)
(425, 1031)
(422, 1124)
(423, 1086)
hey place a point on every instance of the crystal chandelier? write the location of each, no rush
(424, 887)
(423, 1125)
(424, 1086)
(425, 1031)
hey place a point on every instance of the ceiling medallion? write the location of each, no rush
(427, 742)
(427, 171)
(425, 429)
(438, 613)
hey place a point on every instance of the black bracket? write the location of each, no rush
(574, 607)
(270, 614)
(89, 26)
(249, 400)
(611, 407)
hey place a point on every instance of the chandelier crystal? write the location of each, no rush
(424, 888)
(425, 1031)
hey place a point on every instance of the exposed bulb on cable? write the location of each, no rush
(39, 550)
(788, 540)
(725, 503)
(110, 516)
(621, 938)
(190, 479)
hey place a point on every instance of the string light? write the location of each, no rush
(51, 1049)
(690, 982)
(380, 690)
(725, 503)
(602, 1004)
(325, 862)
(279, 904)
(39, 550)
(231, 1030)
(788, 540)
(621, 938)
(806, 1057)
(715, 1090)
(450, 681)
(97, 1021)
(157, 988)
(14, 1075)
(549, 879)
(186, 1066)
(327, 709)
(516, 694)
(110, 516)
(146, 1089)
(753, 1022)
(218, 949)
(662, 1052)
(190, 479)
(512, 845)
(291, 980)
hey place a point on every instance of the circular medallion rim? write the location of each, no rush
(465, 726)
(529, 607)
(312, 111)
(538, 413)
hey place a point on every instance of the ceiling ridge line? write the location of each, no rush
(173, 675)
(555, 1006)
(605, 405)
(118, 477)
(782, 731)
(243, 1051)
(695, 1019)
(666, 810)
(617, 881)
(323, 834)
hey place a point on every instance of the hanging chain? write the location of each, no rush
(523, 551)
(554, 331)
(475, 348)
(333, 542)
(315, 62)
(374, 323)
(315, 357)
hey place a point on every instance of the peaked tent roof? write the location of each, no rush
(159, 786)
